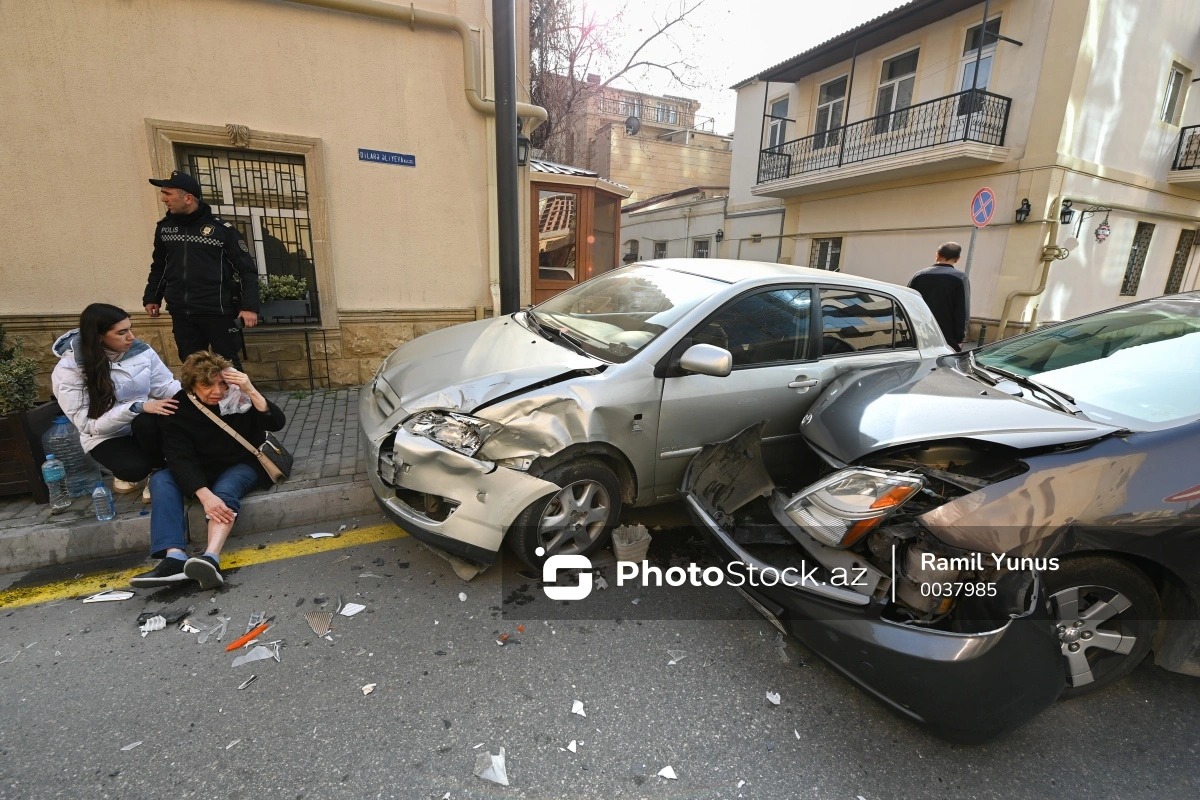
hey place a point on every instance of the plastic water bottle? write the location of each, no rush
(102, 502)
(62, 439)
(55, 476)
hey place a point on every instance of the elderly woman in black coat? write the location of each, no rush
(206, 462)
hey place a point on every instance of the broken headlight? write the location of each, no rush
(458, 432)
(841, 509)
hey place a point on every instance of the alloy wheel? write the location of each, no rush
(574, 518)
(1094, 629)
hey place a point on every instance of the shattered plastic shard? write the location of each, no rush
(796, 732)
(257, 654)
(247, 682)
(350, 609)
(130, 746)
(577, 708)
(319, 621)
(462, 597)
(600, 582)
(153, 624)
(370, 687)
(109, 595)
(773, 697)
(231, 744)
(667, 772)
(573, 746)
(322, 535)
(676, 657)
(491, 768)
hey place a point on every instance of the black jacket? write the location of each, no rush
(947, 292)
(201, 266)
(198, 450)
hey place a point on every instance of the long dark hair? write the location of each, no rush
(94, 322)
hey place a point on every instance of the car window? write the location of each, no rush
(620, 312)
(764, 328)
(1137, 366)
(904, 335)
(853, 321)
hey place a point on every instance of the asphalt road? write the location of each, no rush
(84, 684)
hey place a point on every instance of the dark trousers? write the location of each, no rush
(132, 457)
(197, 332)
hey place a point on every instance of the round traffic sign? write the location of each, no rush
(983, 206)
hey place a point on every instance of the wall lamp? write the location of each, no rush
(1023, 212)
(522, 149)
(720, 234)
(1066, 215)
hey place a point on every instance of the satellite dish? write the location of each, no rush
(632, 126)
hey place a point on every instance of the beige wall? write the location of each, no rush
(651, 167)
(82, 79)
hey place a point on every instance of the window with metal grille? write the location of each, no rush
(826, 254)
(266, 196)
(1137, 259)
(700, 248)
(1183, 252)
(660, 249)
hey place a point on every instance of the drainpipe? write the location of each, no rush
(431, 19)
(1051, 251)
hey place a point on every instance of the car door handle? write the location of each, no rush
(802, 383)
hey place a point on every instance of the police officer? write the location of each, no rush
(199, 260)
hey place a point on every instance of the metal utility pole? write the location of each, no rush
(504, 63)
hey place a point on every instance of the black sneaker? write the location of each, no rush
(204, 570)
(168, 573)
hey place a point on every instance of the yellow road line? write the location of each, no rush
(247, 556)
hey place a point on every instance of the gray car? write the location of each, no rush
(541, 425)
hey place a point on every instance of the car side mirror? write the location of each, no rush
(707, 359)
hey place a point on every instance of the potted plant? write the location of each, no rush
(283, 296)
(21, 423)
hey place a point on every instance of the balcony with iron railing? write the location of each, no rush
(950, 132)
(650, 113)
(1185, 168)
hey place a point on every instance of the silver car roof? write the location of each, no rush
(731, 271)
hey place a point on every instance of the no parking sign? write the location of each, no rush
(983, 206)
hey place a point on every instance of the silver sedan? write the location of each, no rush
(541, 425)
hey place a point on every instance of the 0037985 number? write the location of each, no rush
(980, 589)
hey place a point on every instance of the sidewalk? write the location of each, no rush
(328, 482)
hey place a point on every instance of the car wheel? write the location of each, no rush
(1106, 612)
(576, 520)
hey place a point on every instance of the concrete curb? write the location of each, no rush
(51, 544)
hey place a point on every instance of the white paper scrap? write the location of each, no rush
(350, 609)
(667, 772)
(577, 708)
(370, 687)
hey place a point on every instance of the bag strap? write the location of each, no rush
(223, 425)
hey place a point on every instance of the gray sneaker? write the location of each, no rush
(204, 570)
(169, 572)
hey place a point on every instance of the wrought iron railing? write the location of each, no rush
(648, 111)
(1187, 151)
(970, 116)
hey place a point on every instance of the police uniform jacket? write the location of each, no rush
(201, 266)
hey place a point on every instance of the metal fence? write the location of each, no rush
(1187, 151)
(970, 116)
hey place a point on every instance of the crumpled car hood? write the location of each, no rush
(462, 367)
(924, 400)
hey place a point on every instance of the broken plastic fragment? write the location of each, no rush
(520, 629)
(573, 746)
(259, 653)
(577, 708)
(491, 768)
(796, 732)
(247, 682)
(676, 657)
(773, 697)
(153, 624)
(462, 597)
(741, 784)
(109, 595)
(322, 535)
(130, 746)
(187, 626)
(350, 609)
(319, 621)
(217, 630)
(231, 744)
(370, 687)
(667, 772)
(600, 582)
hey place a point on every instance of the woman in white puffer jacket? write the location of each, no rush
(112, 386)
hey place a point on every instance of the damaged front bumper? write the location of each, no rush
(965, 687)
(459, 504)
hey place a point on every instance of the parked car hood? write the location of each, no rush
(868, 411)
(465, 366)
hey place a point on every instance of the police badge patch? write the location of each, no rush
(242, 244)
(207, 230)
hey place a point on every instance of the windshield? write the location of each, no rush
(620, 312)
(1137, 367)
